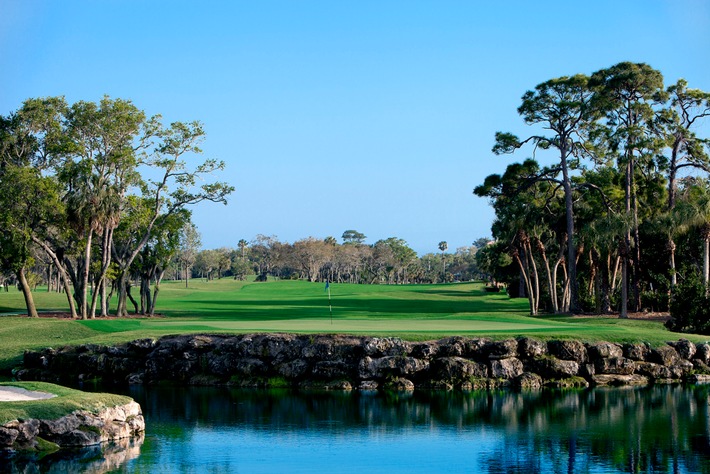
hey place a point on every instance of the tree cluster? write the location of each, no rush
(612, 208)
(387, 261)
(99, 192)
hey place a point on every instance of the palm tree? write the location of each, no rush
(242, 244)
(443, 246)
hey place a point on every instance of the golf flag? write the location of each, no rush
(330, 305)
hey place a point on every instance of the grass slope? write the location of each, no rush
(414, 312)
(66, 401)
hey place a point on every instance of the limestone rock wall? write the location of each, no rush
(77, 429)
(369, 363)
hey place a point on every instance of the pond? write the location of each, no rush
(220, 430)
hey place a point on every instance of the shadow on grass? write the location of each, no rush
(351, 307)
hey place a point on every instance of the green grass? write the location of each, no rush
(413, 312)
(66, 401)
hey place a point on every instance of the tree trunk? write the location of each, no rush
(571, 237)
(629, 199)
(61, 274)
(706, 260)
(104, 298)
(526, 278)
(83, 291)
(156, 290)
(122, 295)
(623, 312)
(671, 249)
(550, 285)
(130, 297)
(27, 293)
(605, 286)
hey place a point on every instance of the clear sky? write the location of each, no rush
(377, 116)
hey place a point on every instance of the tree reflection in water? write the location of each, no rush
(657, 429)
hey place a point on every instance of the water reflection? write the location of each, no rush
(95, 459)
(659, 429)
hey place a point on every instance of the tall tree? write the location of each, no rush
(686, 107)
(626, 94)
(353, 237)
(678, 120)
(97, 167)
(242, 245)
(174, 187)
(443, 246)
(561, 106)
(189, 245)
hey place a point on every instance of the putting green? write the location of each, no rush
(350, 325)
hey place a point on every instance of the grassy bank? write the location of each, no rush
(66, 401)
(416, 312)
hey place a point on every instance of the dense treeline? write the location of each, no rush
(612, 211)
(99, 193)
(387, 261)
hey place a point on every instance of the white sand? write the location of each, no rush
(16, 394)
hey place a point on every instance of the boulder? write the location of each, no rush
(7, 437)
(502, 349)
(201, 343)
(390, 366)
(399, 384)
(684, 348)
(639, 352)
(330, 370)
(458, 346)
(568, 350)
(531, 348)
(702, 353)
(604, 350)
(507, 369)
(457, 369)
(553, 368)
(293, 370)
(27, 430)
(424, 350)
(250, 367)
(386, 346)
(141, 347)
(654, 371)
(528, 381)
(664, 355)
(614, 365)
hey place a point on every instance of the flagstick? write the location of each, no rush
(330, 306)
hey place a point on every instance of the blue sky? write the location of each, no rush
(377, 116)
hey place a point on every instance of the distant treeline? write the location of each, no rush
(387, 261)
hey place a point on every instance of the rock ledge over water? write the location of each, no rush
(78, 429)
(369, 363)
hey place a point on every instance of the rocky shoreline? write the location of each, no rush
(78, 429)
(339, 362)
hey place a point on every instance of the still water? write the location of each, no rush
(219, 430)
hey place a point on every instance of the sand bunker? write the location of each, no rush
(17, 394)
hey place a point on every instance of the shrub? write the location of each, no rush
(690, 308)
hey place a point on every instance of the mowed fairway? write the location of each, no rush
(415, 312)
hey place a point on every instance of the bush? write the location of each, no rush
(690, 308)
